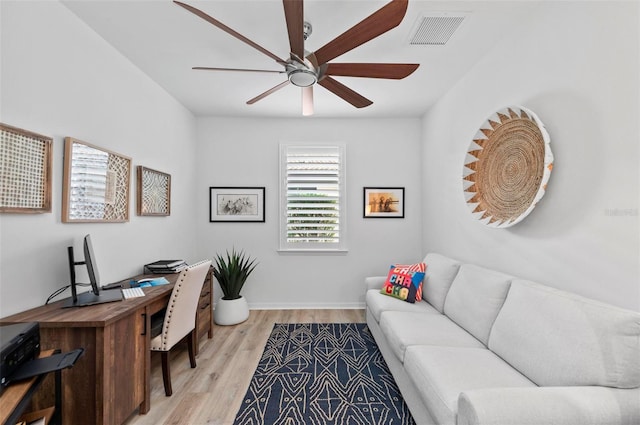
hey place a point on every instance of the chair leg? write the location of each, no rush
(166, 373)
(191, 342)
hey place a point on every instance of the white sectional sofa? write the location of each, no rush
(484, 347)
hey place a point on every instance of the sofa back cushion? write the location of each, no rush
(475, 297)
(438, 277)
(557, 338)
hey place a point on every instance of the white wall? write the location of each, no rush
(244, 152)
(577, 66)
(59, 78)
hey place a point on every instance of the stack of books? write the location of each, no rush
(166, 266)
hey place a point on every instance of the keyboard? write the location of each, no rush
(132, 293)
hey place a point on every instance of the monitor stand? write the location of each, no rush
(89, 298)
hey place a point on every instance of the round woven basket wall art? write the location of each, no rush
(507, 167)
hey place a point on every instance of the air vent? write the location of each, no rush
(435, 30)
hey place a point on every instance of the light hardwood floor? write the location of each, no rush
(213, 391)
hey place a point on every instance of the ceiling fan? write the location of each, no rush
(304, 69)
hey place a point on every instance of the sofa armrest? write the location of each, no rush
(374, 282)
(549, 405)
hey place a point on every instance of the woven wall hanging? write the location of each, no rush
(507, 167)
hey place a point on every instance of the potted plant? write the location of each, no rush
(231, 272)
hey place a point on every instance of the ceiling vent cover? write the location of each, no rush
(435, 30)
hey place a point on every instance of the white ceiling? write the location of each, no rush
(165, 41)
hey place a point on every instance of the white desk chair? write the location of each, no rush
(180, 318)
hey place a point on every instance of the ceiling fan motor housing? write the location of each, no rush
(301, 74)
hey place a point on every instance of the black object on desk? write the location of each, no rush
(115, 285)
(89, 298)
(34, 373)
(165, 266)
(44, 365)
(20, 344)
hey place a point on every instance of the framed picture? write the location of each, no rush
(154, 192)
(25, 171)
(236, 204)
(383, 202)
(95, 184)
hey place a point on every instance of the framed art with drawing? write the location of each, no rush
(236, 204)
(383, 202)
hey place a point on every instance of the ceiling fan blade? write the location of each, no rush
(228, 30)
(307, 101)
(205, 68)
(344, 92)
(267, 93)
(386, 18)
(393, 71)
(294, 14)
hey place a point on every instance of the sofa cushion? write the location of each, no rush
(403, 329)
(377, 303)
(550, 405)
(475, 298)
(440, 374)
(404, 281)
(557, 338)
(438, 277)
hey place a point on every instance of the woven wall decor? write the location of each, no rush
(25, 171)
(95, 184)
(507, 167)
(154, 192)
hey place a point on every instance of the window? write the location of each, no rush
(312, 194)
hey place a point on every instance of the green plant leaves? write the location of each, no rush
(231, 272)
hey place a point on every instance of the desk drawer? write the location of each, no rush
(204, 301)
(204, 319)
(205, 314)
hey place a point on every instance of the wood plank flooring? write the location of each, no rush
(212, 392)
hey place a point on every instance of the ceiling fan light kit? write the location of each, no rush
(302, 77)
(304, 69)
(301, 74)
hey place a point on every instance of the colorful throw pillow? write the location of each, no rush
(404, 281)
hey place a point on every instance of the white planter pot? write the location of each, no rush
(231, 312)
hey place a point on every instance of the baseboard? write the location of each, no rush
(306, 306)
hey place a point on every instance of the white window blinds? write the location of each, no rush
(312, 193)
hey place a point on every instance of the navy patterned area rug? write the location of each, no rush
(322, 373)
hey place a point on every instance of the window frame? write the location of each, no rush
(318, 247)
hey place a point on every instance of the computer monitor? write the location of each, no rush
(94, 296)
(92, 267)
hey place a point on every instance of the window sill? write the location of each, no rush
(290, 251)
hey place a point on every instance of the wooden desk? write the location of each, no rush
(113, 377)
